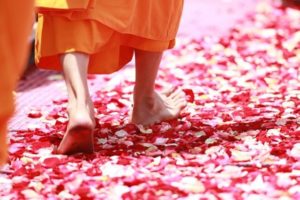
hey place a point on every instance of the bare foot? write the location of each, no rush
(150, 109)
(79, 135)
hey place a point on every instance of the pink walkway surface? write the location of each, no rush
(213, 17)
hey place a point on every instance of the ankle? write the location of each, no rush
(83, 102)
(147, 105)
(144, 97)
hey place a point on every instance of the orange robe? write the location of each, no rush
(16, 19)
(107, 30)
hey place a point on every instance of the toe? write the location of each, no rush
(179, 101)
(178, 94)
(181, 105)
(167, 92)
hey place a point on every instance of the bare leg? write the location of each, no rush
(79, 135)
(149, 106)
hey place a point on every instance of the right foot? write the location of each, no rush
(155, 108)
(79, 135)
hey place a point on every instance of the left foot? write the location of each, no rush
(79, 136)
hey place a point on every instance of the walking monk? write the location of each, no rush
(101, 36)
(16, 18)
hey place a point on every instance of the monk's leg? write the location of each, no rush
(79, 134)
(149, 106)
(16, 19)
(3, 143)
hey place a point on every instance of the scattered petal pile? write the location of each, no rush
(239, 137)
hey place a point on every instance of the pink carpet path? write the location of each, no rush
(238, 64)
